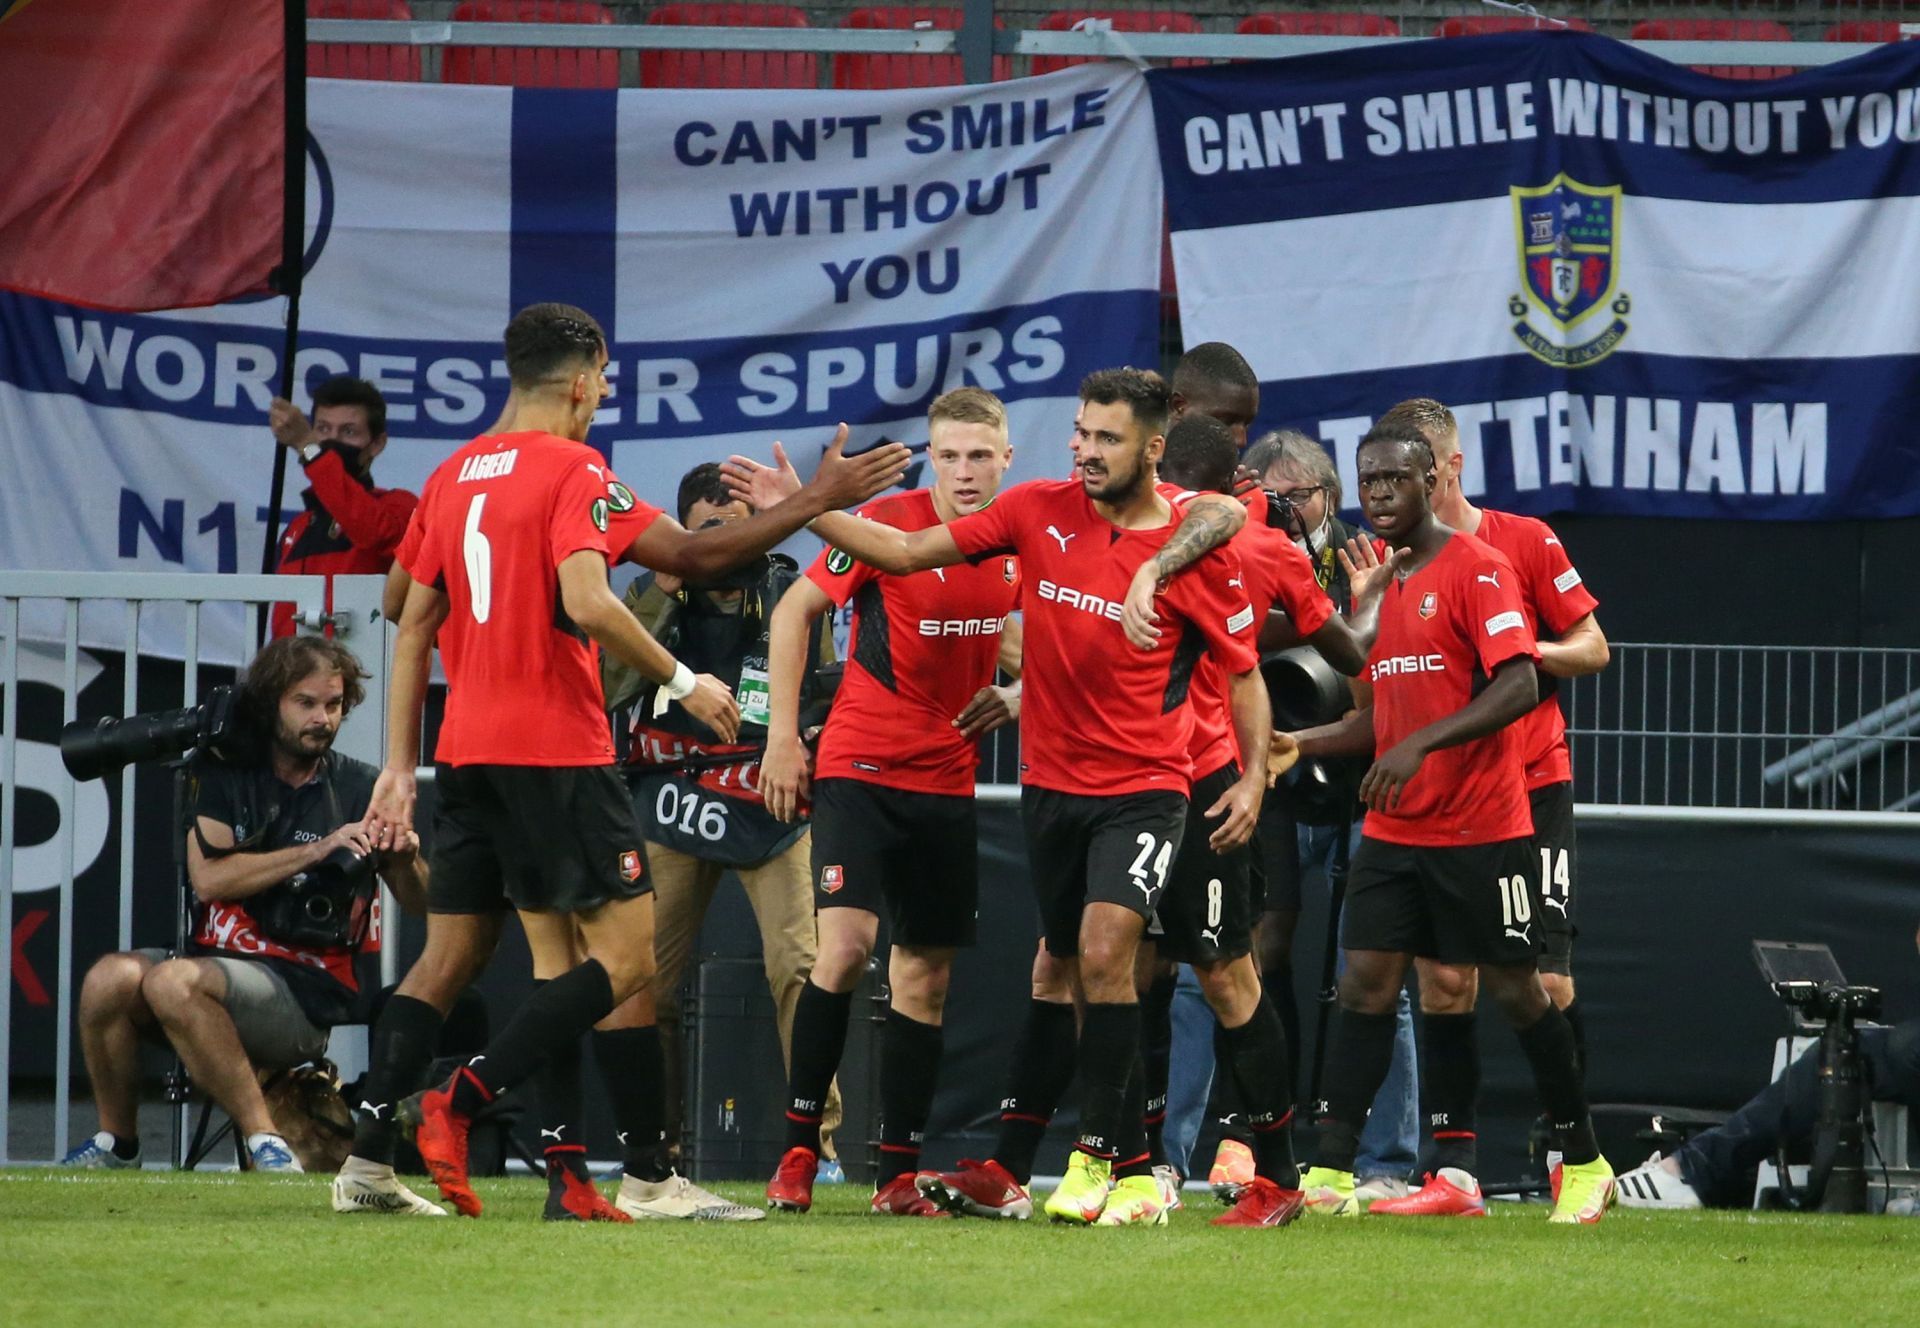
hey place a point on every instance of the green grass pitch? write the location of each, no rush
(157, 1248)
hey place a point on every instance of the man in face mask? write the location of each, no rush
(348, 526)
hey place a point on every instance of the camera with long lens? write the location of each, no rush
(1306, 692)
(96, 749)
(1837, 1174)
(316, 907)
(1283, 516)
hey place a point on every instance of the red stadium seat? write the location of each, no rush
(1719, 29)
(729, 69)
(1118, 20)
(394, 64)
(1318, 23)
(907, 71)
(1481, 25)
(1871, 32)
(527, 66)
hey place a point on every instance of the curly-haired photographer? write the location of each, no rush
(283, 874)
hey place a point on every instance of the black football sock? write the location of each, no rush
(1224, 1099)
(635, 1075)
(1037, 1078)
(1359, 1052)
(402, 1051)
(1276, 985)
(558, 1013)
(1131, 1156)
(1109, 1046)
(909, 1068)
(1257, 1063)
(1576, 1019)
(556, 1105)
(1450, 1089)
(1156, 1053)
(1548, 1043)
(819, 1040)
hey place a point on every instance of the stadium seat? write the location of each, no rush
(729, 69)
(907, 71)
(1481, 25)
(393, 64)
(1719, 29)
(1117, 20)
(1872, 32)
(1318, 23)
(526, 66)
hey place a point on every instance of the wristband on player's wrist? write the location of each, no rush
(680, 686)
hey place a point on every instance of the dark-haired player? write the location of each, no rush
(1444, 867)
(1215, 380)
(1104, 734)
(507, 556)
(1560, 612)
(892, 789)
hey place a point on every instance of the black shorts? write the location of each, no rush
(1464, 904)
(1083, 850)
(542, 838)
(1558, 867)
(911, 856)
(1206, 915)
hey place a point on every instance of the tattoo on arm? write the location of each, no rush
(1205, 527)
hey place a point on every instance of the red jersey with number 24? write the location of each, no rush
(1555, 599)
(920, 647)
(1443, 632)
(497, 519)
(1097, 716)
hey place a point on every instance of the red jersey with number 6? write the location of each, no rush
(495, 522)
(920, 647)
(1443, 632)
(1097, 716)
(1555, 599)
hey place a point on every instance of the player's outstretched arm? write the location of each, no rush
(1514, 691)
(390, 812)
(1582, 649)
(1350, 735)
(1211, 520)
(590, 603)
(783, 770)
(1253, 726)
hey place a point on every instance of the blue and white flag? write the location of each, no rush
(766, 265)
(1642, 290)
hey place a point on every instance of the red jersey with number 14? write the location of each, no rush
(920, 647)
(497, 519)
(1097, 716)
(1443, 632)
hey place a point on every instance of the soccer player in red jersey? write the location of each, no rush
(1445, 860)
(1206, 916)
(1560, 611)
(892, 790)
(1104, 730)
(508, 557)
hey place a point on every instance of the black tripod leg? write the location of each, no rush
(1330, 958)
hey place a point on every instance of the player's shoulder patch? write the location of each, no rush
(1505, 622)
(599, 514)
(619, 497)
(839, 561)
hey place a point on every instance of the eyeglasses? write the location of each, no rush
(1300, 497)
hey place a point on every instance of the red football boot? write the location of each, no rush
(573, 1197)
(791, 1189)
(983, 1189)
(1262, 1203)
(899, 1198)
(442, 1142)
(1450, 1192)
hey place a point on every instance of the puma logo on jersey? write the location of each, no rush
(941, 572)
(961, 626)
(1233, 581)
(1521, 935)
(488, 465)
(1084, 600)
(1493, 580)
(1552, 541)
(1055, 532)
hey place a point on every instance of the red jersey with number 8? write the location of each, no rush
(495, 522)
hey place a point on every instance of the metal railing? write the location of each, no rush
(119, 605)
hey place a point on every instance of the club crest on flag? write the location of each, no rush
(1568, 240)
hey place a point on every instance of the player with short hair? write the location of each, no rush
(1106, 771)
(1445, 861)
(892, 790)
(1560, 612)
(1215, 380)
(507, 558)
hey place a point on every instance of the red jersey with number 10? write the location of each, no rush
(1443, 632)
(497, 519)
(1097, 716)
(920, 647)
(1555, 599)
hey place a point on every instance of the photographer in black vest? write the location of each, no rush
(283, 873)
(696, 797)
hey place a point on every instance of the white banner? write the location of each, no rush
(766, 264)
